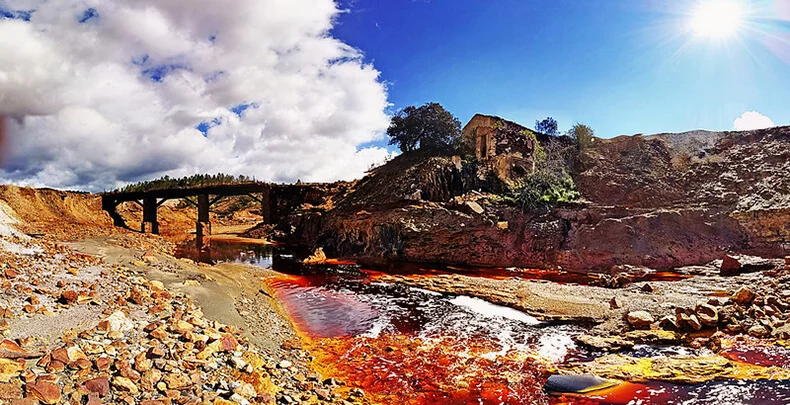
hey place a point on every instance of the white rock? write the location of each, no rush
(119, 322)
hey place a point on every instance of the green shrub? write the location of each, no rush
(550, 182)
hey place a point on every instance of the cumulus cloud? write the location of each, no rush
(752, 120)
(107, 92)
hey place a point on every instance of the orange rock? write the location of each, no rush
(11, 350)
(44, 391)
(10, 391)
(69, 297)
(100, 386)
(61, 355)
(56, 366)
(103, 363)
(229, 343)
(10, 369)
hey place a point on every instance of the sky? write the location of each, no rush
(100, 93)
(620, 66)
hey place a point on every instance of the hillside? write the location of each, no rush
(660, 201)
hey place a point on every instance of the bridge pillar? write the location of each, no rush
(150, 222)
(203, 226)
(266, 206)
(110, 205)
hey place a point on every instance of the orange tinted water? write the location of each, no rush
(406, 346)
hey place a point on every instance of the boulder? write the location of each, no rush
(708, 315)
(119, 322)
(607, 344)
(100, 386)
(730, 266)
(743, 296)
(758, 331)
(639, 319)
(44, 391)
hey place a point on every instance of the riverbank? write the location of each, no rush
(117, 319)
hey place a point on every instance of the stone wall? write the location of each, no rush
(493, 136)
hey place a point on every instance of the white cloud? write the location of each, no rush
(120, 97)
(752, 120)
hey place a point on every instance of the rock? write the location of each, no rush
(74, 354)
(11, 350)
(119, 322)
(150, 378)
(669, 323)
(68, 297)
(678, 369)
(690, 322)
(44, 391)
(743, 296)
(640, 319)
(758, 331)
(102, 363)
(647, 288)
(285, 364)
(318, 257)
(177, 381)
(10, 391)
(9, 369)
(246, 390)
(100, 386)
(781, 332)
(192, 283)
(707, 315)
(615, 303)
(155, 353)
(730, 266)
(609, 344)
(475, 207)
(157, 285)
(229, 343)
(125, 384)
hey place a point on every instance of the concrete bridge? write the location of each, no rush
(275, 200)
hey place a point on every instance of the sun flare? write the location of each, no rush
(716, 18)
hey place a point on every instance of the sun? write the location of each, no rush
(716, 18)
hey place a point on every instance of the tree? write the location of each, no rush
(582, 135)
(547, 126)
(429, 126)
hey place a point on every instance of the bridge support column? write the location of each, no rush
(266, 206)
(203, 226)
(111, 205)
(150, 222)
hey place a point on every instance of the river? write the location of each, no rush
(410, 346)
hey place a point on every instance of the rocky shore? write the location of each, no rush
(118, 324)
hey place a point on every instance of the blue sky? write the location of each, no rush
(621, 66)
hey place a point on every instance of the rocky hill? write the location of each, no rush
(660, 201)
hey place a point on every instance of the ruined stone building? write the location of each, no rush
(493, 136)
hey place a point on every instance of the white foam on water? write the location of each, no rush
(489, 310)
(555, 346)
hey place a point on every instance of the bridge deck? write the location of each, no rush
(224, 190)
(274, 199)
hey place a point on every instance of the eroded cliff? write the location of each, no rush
(659, 201)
